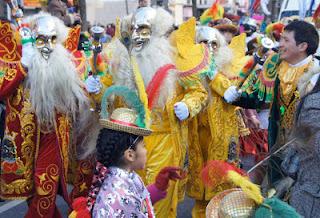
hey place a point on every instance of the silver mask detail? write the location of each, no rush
(141, 27)
(45, 36)
(208, 36)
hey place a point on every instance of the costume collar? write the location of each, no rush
(303, 62)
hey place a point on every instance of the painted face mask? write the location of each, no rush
(208, 36)
(45, 36)
(141, 27)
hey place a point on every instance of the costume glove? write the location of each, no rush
(27, 47)
(93, 84)
(166, 174)
(181, 110)
(231, 94)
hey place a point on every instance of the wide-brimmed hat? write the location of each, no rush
(131, 120)
(230, 203)
(124, 120)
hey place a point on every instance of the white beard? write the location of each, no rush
(223, 57)
(55, 87)
(156, 54)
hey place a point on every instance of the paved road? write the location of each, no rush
(17, 209)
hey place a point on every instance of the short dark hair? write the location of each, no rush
(304, 32)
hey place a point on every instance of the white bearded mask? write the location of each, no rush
(148, 23)
(217, 45)
(209, 36)
(52, 77)
(45, 35)
(141, 27)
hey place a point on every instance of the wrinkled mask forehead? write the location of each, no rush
(45, 36)
(143, 17)
(206, 35)
(45, 26)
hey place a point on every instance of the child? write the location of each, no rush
(117, 191)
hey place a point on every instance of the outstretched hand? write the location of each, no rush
(166, 174)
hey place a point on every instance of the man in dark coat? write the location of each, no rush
(59, 9)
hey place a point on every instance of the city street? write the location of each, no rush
(17, 208)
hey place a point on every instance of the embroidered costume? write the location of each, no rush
(34, 158)
(156, 79)
(213, 133)
(278, 84)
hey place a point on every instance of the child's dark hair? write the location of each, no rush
(111, 145)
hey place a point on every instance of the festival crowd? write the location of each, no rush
(138, 114)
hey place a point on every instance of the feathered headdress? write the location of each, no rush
(130, 98)
(215, 12)
(316, 17)
(274, 30)
(217, 172)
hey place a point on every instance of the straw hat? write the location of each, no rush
(124, 120)
(131, 120)
(230, 203)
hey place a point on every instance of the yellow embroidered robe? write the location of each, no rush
(211, 133)
(167, 145)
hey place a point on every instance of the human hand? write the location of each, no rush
(77, 18)
(255, 122)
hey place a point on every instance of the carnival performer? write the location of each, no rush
(43, 95)
(214, 132)
(280, 82)
(153, 59)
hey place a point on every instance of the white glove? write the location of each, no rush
(28, 53)
(27, 47)
(232, 94)
(93, 84)
(181, 110)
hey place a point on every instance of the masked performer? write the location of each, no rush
(154, 68)
(43, 95)
(214, 132)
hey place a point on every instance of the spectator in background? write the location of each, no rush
(59, 9)
(110, 29)
(143, 3)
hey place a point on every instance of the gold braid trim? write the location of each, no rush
(62, 130)
(47, 188)
(18, 186)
